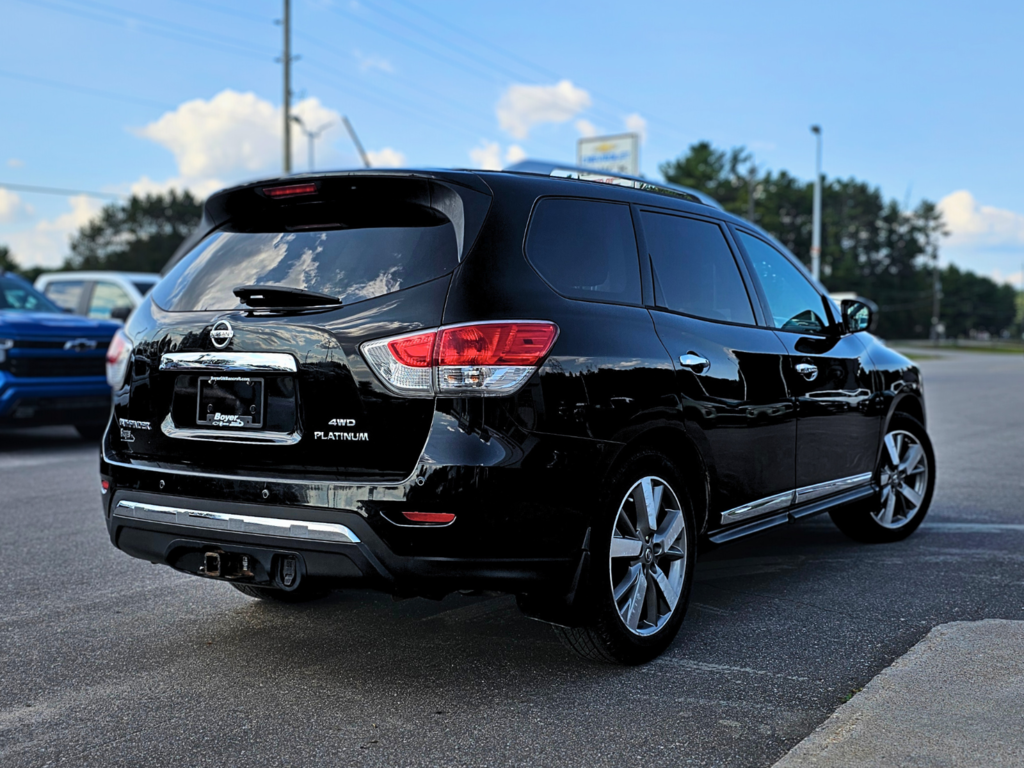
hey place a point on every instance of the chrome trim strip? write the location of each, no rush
(264, 526)
(251, 362)
(832, 486)
(216, 435)
(791, 498)
(759, 507)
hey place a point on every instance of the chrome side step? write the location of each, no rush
(304, 530)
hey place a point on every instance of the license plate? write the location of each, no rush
(230, 401)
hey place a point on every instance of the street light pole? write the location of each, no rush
(287, 61)
(816, 222)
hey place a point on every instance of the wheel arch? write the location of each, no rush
(909, 404)
(676, 444)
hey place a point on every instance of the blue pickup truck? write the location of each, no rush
(52, 364)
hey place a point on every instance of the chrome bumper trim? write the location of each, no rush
(248, 362)
(263, 526)
(218, 435)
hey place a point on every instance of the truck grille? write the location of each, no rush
(55, 367)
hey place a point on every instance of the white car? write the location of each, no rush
(99, 295)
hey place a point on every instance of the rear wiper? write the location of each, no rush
(280, 296)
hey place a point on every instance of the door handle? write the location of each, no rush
(695, 362)
(808, 371)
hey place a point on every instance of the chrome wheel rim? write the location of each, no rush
(903, 478)
(647, 562)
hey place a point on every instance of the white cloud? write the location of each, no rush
(1014, 278)
(15, 163)
(522, 107)
(514, 154)
(386, 158)
(636, 124)
(231, 137)
(984, 226)
(12, 208)
(370, 62)
(46, 243)
(587, 128)
(486, 156)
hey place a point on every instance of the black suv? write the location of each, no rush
(435, 381)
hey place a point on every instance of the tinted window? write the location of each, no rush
(105, 297)
(143, 287)
(352, 264)
(794, 303)
(65, 293)
(694, 269)
(585, 249)
(15, 294)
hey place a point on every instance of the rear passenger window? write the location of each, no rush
(585, 249)
(66, 294)
(694, 269)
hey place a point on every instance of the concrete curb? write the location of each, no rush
(954, 699)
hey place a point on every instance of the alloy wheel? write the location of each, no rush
(647, 562)
(903, 478)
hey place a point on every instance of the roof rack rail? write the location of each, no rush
(562, 170)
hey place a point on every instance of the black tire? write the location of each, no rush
(606, 637)
(91, 432)
(301, 594)
(861, 524)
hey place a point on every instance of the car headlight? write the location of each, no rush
(119, 354)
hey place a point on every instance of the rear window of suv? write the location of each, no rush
(352, 264)
(585, 249)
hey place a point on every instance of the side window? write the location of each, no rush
(794, 303)
(694, 269)
(65, 293)
(585, 249)
(105, 297)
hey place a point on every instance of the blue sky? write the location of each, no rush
(922, 99)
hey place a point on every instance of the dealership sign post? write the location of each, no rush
(615, 154)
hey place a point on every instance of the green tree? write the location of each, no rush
(139, 235)
(974, 303)
(7, 262)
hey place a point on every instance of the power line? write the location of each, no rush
(85, 89)
(62, 192)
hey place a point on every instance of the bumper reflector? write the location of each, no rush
(438, 518)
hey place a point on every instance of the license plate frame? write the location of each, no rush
(230, 402)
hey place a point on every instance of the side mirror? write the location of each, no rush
(858, 315)
(120, 313)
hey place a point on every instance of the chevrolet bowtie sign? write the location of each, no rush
(615, 154)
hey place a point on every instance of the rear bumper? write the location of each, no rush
(37, 402)
(344, 551)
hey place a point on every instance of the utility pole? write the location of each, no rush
(751, 189)
(287, 61)
(816, 223)
(355, 140)
(937, 329)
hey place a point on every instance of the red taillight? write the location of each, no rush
(116, 348)
(414, 351)
(118, 355)
(104, 486)
(441, 518)
(290, 191)
(496, 344)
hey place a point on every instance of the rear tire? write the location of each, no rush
(91, 432)
(301, 594)
(639, 582)
(906, 476)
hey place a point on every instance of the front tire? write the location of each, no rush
(642, 555)
(906, 477)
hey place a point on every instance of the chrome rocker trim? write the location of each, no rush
(249, 362)
(264, 526)
(789, 498)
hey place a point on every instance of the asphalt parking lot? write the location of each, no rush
(109, 661)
